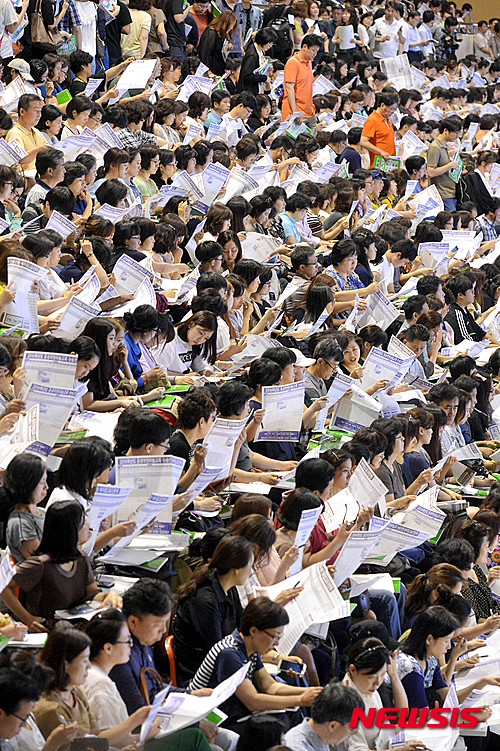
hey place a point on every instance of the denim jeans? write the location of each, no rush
(450, 204)
(389, 608)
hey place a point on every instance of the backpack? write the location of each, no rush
(283, 47)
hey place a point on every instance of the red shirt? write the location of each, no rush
(300, 73)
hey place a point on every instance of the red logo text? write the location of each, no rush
(416, 718)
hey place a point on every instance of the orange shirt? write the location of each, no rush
(300, 73)
(380, 132)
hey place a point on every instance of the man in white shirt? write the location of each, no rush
(399, 12)
(425, 32)
(481, 46)
(387, 33)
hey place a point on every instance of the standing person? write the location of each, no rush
(176, 12)
(254, 58)
(439, 163)
(387, 30)
(135, 43)
(299, 80)
(120, 25)
(30, 50)
(215, 39)
(377, 135)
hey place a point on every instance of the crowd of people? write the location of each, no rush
(252, 252)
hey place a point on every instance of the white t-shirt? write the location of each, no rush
(177, 357)
(389, 48)
(87, 11)
(7, 16)
(386, 271)
(63, 494)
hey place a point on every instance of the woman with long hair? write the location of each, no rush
(209, 606)
(193, 348)
(213, 47)
(436, 587)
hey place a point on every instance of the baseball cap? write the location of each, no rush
(22, 68)
(376, 174)
(302, 361)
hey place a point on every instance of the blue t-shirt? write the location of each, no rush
(290, 226)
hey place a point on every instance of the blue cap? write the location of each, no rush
(376, 174)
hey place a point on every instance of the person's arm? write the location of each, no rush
(309, 559)
(365, 141)
(10, 599)
(143, 41)
(281, 696)
(432, 169)
(12, 27)
(180, 17)
(108, 405)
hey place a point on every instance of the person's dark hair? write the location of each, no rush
(208, 251)
(63, 645)
(48, 158)
(390, 428)
(195, 406)
(207, 321)
(428, 285)
(262, 372)
(240, 209)
(251, 504)
(262, 613)
(78, 60)
(22, 475)
(63, 521)
(336, 702)
(375, 441)
(491, 520)
(460, 284)
(450, 124)
(473, 532)
(374, 335)
(98, 329)
(259, 531)
(260, 732)
(280, 355)
(438, 581)
(369, 655)
(415, 332)
(77, 105)
(456, 551)
(297, 201)
(83, 461)
(231, 552)
(295, 503)
(26, 100)
(342, 250)
(144, 318)
(146, 426)
(435, 621)
(233, 395)
(314, 474)
(197, 102)
(148, 597)
(104, 628)
(84, 348)
(111, 191)
(248, 270)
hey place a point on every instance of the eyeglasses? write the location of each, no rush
(23, 720)
(333, 367)
(274, 637)
(125, 641)
(95, 119)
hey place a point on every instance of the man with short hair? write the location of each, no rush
(328, 725)
(305, 267)
(387, 33)
(327, 355)
(486, 223)
(209, 256)
(378, 132)
(415, 337)
(463, 323)
(50, 168)
(417, 169)
(481, 46)
(29, 109)
(233, 122)
(352, 153)
(439, 163)
(147, 606)
(299, 80)
(333, 151)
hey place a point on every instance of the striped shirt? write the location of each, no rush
(232, 650)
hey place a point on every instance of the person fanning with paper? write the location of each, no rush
(262, 624)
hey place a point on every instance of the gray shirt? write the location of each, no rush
(315, 387)
(23, 527)
(303, 738)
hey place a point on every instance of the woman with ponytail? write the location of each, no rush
(209, 606)
(436, 587)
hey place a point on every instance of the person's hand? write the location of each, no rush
(18, 379)
(112, 600)
(74, 289)
(484, 714)
(12, 206)
(121, 353)
(202, 692)
(199, 455)
(459, 646)
(475, 644)
(414, 746)
(343, 533)
(155, 374)
(287, 466)
(208, 504)
(111, 93)
(49, 88)
(181, 501)
(35, 625)
(62, 735)
(382, 383)
(320, 403)
(466, 664)
(373, 287)
(291, 556)
(307, 697)
(124, 528)
(209, 730)
(247, 308)
(13, 629)
(184, 380)
(140, 715)
(269, 478)
(184, 211)
(453, 164)
(16, 405)
(425, 478)
(7, 295)
(8, 422)
(258, 415)
(287, 595)
(364, 516)
(404, 501)
(357, 373)
(491, 623)
(493, 573)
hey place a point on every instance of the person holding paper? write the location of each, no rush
(60, 575)
(299, 79)
(262, 624)
(24, 484)
(211, 45)
(54, 295)
(193, 347)
(111, 644)
(140, 327)
(378, 133)
(29, 109)
(250, 78)
(209, 606)
(421, 651)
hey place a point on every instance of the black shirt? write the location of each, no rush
(175, 31)
(463, 324)
(136, 255)
(179, 446)
(114, 30)
(201, 620)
